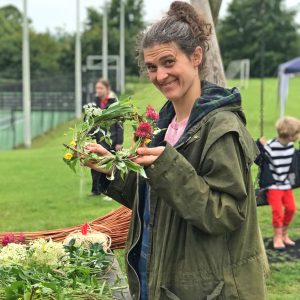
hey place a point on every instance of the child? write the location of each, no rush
(280, 151)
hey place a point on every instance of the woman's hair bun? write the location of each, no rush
(182, 11)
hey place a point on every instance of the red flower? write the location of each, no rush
(10, 238)
(84, 229)
(144, 131)
(151, 113)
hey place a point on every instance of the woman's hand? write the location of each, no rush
(147, 156)
(101, 151)
(98, 149)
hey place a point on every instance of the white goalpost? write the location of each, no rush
(239, 69)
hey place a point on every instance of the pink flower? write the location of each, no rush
(21, 238)
(144, 131)
(10, 238)
(151, 113)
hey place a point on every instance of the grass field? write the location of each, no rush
(38, 191)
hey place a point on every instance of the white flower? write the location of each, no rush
(91, 110)
(42, 252)
(12, 254)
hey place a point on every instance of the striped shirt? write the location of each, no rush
(280, 157)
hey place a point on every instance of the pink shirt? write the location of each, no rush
(175, 131)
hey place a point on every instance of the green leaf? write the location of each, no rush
(143, 173)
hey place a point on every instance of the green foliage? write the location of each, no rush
(10, 42)
(80, 277)
(251, 22)
(47, 52)
(10, 20)
(52, 54)
(133, 25)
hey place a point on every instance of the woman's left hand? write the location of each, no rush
(147, 156)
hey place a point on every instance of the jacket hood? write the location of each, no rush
(213, 97)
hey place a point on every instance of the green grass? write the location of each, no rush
(38, 191)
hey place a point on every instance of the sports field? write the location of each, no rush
(38, 191)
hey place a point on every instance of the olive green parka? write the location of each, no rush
(205, 241)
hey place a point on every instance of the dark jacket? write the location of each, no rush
(116, 130)
(205, 241)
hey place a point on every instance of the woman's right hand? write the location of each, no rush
(101, 151)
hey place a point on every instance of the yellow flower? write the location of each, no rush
(68, 156)
(147, 141)
(73, 143)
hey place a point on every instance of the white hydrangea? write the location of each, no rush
(42, 252)
(12, 254)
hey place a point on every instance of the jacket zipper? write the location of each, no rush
(182, 143)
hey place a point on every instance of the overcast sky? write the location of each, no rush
(49, 14)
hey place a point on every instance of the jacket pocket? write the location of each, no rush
(214, 295)
(169, 294)
(216, 292)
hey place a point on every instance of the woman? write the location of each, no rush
(194, 232)
(103, 100)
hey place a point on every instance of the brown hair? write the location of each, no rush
(104, 82)
(287, 127)
(183, 26)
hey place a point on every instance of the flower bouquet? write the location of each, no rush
(100, 120)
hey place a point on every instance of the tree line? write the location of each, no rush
(53, 54)
(259, 30)
(249, 27)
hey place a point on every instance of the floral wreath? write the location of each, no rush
(100, 120)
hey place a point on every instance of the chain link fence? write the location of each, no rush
(52, 103)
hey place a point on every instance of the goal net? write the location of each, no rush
(239, 69)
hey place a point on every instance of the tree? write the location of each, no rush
(54, 54)
(133, 24)
(254, 28)
(92, 35)
(45, 49)
(10, 42)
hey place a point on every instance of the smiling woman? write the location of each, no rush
(173, 73)
(194, 232)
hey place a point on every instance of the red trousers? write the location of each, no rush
(283, 206)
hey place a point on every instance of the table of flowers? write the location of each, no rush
(79, 267)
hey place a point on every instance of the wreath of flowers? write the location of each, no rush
(100, 120)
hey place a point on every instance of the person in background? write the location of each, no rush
(194, 232)
(280, 151)
(103, 99)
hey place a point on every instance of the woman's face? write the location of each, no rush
(101, 90)
(172, 72)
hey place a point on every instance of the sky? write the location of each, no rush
(52, 14)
